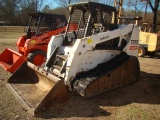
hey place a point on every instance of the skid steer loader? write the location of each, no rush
(33, 45)
(97, 57)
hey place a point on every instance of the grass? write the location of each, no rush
(134, 111)
(138, 101)
(10, 35)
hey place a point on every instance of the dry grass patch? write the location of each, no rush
(11, 35)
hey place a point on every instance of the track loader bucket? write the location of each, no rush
(10, 60)
(37, 89)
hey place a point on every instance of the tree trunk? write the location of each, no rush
(154, 21)
(155, 11)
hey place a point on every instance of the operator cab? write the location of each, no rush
(89, 21)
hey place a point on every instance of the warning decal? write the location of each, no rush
(33, 42)
(89, 41)
(133, 47)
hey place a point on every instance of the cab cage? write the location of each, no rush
(42, 22)
(88, 19)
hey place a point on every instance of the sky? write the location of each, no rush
(52, 4)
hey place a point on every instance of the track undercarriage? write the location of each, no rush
(121, 70)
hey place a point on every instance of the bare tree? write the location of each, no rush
(32, 5)
(29, 6)
(137, 5)
(65, 3)
(154, 6)
(90, 0)
(8, 9)
(46, 9)
(108, 2)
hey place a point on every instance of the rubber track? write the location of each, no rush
(82, 80)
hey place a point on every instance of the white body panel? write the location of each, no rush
(92, 58)
(82, 56)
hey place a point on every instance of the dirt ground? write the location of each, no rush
(140, 100)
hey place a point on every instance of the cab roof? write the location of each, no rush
(92, 5)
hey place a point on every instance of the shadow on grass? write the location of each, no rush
(146, 90)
